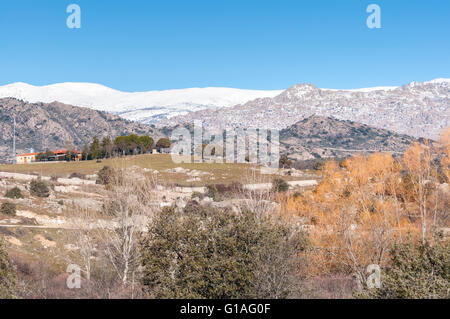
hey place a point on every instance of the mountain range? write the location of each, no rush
(145, 107)
(415, 109)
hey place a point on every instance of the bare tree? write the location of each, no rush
(256, 194)
(83, 235)
(129, 205)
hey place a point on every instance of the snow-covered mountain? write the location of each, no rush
(416, 109)
(146, 107)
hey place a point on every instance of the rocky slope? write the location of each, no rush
(56, 125)
(416, 109)
(322, 137)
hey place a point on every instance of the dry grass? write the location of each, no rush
(220, 173)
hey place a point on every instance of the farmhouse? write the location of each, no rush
(57, 155)
(26, 158)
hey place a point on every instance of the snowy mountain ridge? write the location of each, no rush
(139, 106)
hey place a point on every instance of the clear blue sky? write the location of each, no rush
(137, 45)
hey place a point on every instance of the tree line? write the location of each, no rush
(107, 148)
(122, 146)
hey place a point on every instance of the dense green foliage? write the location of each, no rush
(417, 271)
(44, 156)
(122, 145)
(163, 143)
(206, 253)
(7, 276)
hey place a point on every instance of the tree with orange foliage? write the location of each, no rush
(421, 177)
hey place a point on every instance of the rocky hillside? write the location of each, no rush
(416, 109)
(322, 137)
(56, 125)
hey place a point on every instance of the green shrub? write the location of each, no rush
(280, 185)
(77, 175)
(417, 271)
(39, 188)
(8, 209)
(105, 175)
(219, 192)
(7, 276)
(14, 193)
(208, 253)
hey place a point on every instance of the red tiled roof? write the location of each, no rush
(57, 152)
(28, 154)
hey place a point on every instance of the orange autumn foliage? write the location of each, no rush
(365, 203)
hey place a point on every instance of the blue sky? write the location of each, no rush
(138, 45)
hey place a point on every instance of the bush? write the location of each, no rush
(219, 192)
(285, 162)
(39, 188)
(280, 185)
(7, 276)
(8, 209)
(105, 175)
(207, 253)
(14, 193)
(417, 271)
(77, 175)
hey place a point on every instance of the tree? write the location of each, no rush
(202, 252)
(285, 162)
(42, 157)
(145, 143)
(163, 143)
(71, 156)
(421, 173)
(83, 236)
(107, 147)
(129, 202)
(356, 214)
(8, 277)
(121, 145)
(85, 154)
(132, 143)
(94, 148)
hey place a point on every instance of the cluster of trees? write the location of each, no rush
(122, 146)
(366, 207)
